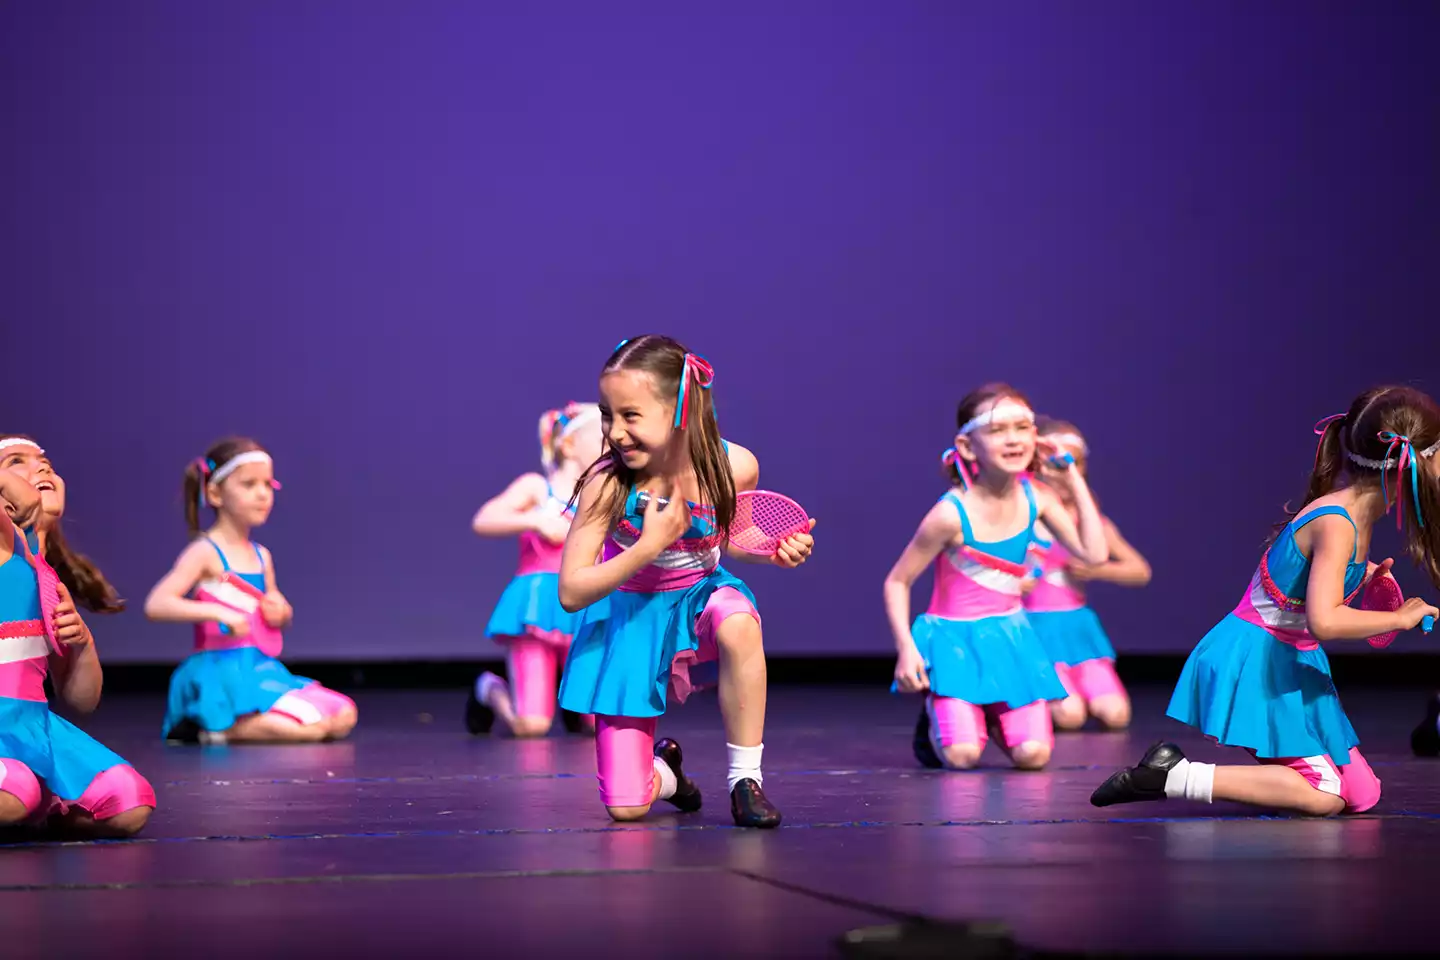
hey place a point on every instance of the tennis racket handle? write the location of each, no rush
(642, 499)
(1427, 624)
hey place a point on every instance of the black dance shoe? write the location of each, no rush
(1425, 739)
(924, 749)
(687, 795)
(1145, 781)
(478, 717)
(750, 807)
(575, 723)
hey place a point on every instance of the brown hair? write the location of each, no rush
(664, 359)
(1404, 412)
(969, 407)
(197, 474)
(87, 585)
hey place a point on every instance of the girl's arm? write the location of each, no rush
(939, 528)
(1087, 544)
(274, 608)
(583, 578)
(1329, 618)
(168, 602)
(790, 552)
(76, 675)
(512, 512)
(1125, 567)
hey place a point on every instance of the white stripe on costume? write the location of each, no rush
(988, 577)
(230, 595)
(675, 558)
(1325, 770)
(20, 649)
(1272, 615)
(293, 705)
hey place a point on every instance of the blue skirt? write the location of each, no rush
(62, 755)
(1071, 636)
(620, 660)
(991, 660)
(1247, 689)
(531, 602)
(214, 688)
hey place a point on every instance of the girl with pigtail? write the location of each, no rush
(651, 526)
(233, 688)
(528, 621)
(1260, 680)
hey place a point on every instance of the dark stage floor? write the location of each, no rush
(415, 836)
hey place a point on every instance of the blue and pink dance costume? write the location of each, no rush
(1068, 629)
(985, 663)
(230, 677)
(1260, 681)
(47, 763)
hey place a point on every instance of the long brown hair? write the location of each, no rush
(969, 407)
(664, 359)
(1403, 412)
(87, 585)
(197, 474)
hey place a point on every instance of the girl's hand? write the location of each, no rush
(552, 529)
(910, 674)
(1414, 610)
(1056, 475)
(1080, 572)
(794, 549)
(1381, 569)
(275, 610)
(662, 527)
(70, 630)
(238, 623)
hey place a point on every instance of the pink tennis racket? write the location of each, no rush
(763, 519)
(1382, 594)
(237, 594)
(49, 599)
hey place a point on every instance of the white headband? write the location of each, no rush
(219, 474)
(587, 413)
(1068, 439)
(20, 442)
(1391, 462)
(1005, 408)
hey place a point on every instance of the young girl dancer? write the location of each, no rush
(1259, 679)
(528, 621)
(228, 690)
(1055, 605)
(671, 603)
(52, 773)
(973, 648)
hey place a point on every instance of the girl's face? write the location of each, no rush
(1006, 443)
(34, 468)
(585, 444)
(637, 422)
(1063, 444)
(246, 495)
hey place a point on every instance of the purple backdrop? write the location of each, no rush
(382, 237)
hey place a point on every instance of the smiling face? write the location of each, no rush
(637, 422)
(246, 495)
(1002, 438)
(29, 462)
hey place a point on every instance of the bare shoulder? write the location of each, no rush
(744, 467)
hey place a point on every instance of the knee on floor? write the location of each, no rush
(1030, 755)
(626, 814)
(1068, 714)
(532, 726)
(1113, 712)
(961, 756)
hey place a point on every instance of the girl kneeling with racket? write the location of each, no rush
(973, 650)
(1259, 680)
(653, 519)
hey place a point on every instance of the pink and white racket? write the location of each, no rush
(1382, 594)
(241, 596)
(49, 582)
(763, 519)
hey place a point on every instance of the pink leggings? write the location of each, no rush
(1355, 783)
(112, 792)
(1091, 679)
(625, 755)
(955, 722)
(532, 664)
(312, 704)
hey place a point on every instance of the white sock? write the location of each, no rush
(1191, 780)
(744, 764)
(668, 783)
(485, 686)
(212, 738)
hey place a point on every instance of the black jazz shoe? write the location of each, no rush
(1145, 781)
(750, 808)
(478, 717)
(575, 723)
(921, 743)
(1425, 739)
(687, 795)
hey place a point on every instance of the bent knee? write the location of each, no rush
(342, 723)
(128, 823)
(1319, 804)
(961, 756)
(19, 792)
(626, 814)
(532, 726)
(738, 631)
(1068, 714)
(1030, 755)
(1112, 711)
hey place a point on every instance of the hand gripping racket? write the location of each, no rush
(237, 594)
(1382, 594)
(763, 520)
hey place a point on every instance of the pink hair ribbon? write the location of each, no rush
(1407, 456)
(696, 367)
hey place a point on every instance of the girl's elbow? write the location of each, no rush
(569, 601)
(1320, 629)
